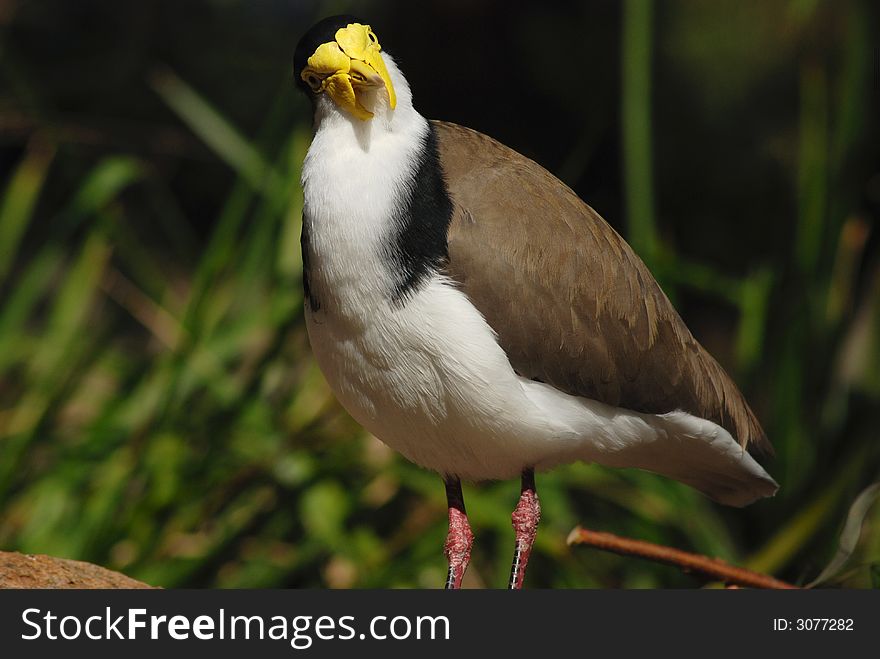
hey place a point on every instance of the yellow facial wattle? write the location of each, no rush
(350, 62)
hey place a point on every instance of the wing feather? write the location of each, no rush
(572, 304)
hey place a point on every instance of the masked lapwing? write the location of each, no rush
(470, 311)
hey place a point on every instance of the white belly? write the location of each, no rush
(430, 380)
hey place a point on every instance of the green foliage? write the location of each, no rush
(161, 414)
(851, 534)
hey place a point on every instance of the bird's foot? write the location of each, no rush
(459, 541)
(525, 518)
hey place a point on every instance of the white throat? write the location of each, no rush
(354, 176)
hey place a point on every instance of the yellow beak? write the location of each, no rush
(353, 61)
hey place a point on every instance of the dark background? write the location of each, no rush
(160, 412)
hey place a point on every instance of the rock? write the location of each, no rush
(38, 571)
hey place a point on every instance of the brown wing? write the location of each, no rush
(571, 302)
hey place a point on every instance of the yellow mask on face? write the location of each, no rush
(353, 61)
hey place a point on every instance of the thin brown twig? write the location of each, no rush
(714, 568)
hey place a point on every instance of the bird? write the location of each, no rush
(474, 314)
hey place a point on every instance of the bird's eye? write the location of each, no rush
(313, 81)
(372, 37)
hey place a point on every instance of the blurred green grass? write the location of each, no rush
(160, 412)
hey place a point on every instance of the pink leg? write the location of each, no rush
(525, 520)
(460, 539)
